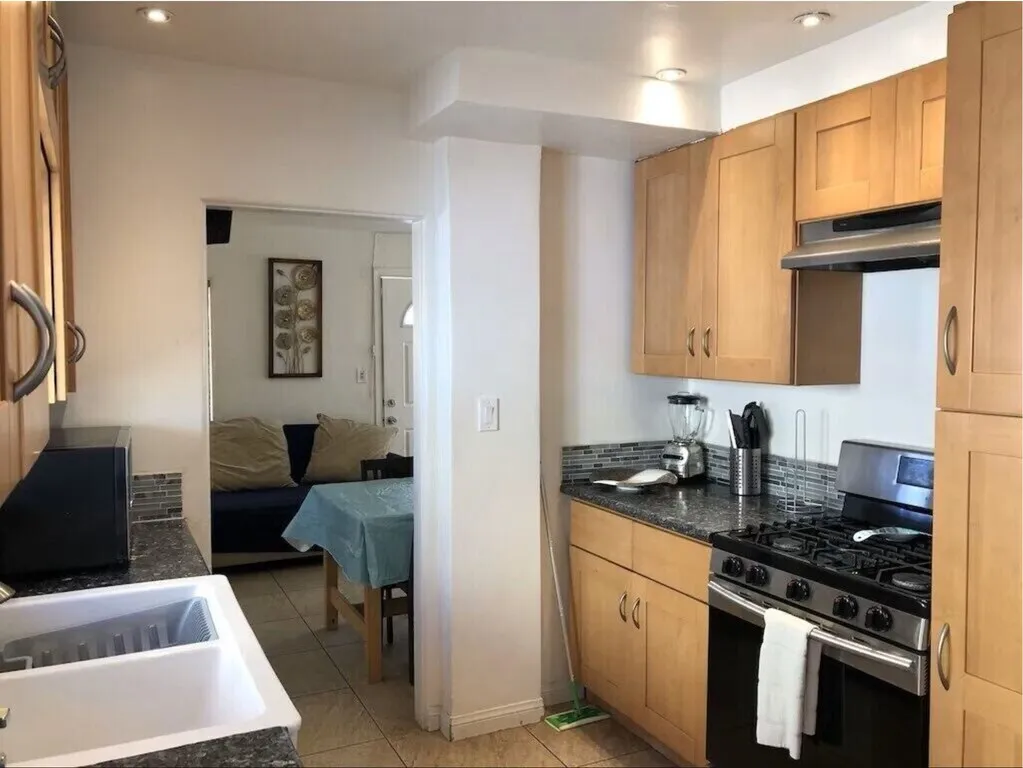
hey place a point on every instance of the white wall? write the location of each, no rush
(588, 394)
(237, 272)
(151, 140)
(895, 399)
(487, 261)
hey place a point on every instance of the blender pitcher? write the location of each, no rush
(684, 455)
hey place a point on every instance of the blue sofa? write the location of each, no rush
(252, 521)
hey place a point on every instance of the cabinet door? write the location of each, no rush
(845, 153)
(746, 227)
(980, 344)
(920, 134)
(28, 420)
(49, 220)
(607, 649)
(666, 304)
(976, 617)
(65, 231)
(672, 684)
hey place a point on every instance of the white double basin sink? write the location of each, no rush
(108, 708)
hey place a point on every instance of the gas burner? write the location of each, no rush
(834, 558)
(787, 544)
(914, 582)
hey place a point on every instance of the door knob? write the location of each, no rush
(390, 420)
(390, 402)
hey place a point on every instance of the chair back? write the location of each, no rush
(390, 467)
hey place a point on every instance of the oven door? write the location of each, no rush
(862, 718)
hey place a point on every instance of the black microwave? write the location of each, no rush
(71, 512)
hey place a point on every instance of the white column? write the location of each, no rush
(483, 275)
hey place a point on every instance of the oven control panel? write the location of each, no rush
(833, 605)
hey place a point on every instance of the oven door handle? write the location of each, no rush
(822, 636)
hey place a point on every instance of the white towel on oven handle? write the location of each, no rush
(787, 682)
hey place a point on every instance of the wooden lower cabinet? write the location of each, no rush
(607, 645)
(642, 649)
(672, 685)
(976, 635)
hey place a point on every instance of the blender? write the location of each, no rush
(684, 454)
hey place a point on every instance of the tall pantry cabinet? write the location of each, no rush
(977, 627)
(37, 338)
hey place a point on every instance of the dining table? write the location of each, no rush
(365, 530)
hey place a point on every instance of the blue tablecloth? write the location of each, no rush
(367, 527)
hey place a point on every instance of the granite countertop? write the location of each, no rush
(161, 549)
(696, 511)
(165, 549)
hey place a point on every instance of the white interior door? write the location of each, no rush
(397, 317)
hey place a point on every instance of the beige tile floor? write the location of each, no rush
(348, 722)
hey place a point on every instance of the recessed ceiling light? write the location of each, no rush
(671, 74)
(812, 18)
(155, 15)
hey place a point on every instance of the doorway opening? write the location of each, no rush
(297, 307)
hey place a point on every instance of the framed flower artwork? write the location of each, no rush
(296, 318)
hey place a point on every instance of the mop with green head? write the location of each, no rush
(581, 714)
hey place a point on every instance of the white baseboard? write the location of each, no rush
(557, 693)
(493, 719)
(433, 718)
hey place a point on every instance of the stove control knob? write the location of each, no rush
(797, 589)
(733, 567)
(878, 619)
(845, 607)
(757, 576)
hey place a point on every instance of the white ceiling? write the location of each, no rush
(386, 43)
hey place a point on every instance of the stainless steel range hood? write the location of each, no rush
(905, 238)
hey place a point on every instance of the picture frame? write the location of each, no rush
(295, 318)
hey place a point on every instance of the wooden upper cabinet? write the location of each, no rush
(845, 152)
(29, 420)
(980, 341)
(666, 304)
(746, 226)
(920, 134)
(976, 642)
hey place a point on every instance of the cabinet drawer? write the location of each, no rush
(674, 561)
(602, 533)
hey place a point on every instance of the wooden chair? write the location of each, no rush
(390, 467)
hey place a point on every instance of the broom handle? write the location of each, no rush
(557, 582)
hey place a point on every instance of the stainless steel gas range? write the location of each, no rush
(868, 595)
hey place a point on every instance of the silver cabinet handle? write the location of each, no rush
(950, 318)
(391, 420)
(706, 342)
(690, 338)
(942, 642)
(26, 298)
(390, 402)
(635, 607)
(56, 72)
(77, 343)
(80, 335)
(820, 635)
(621, 605)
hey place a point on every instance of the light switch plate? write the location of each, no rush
(488, 413)
(360, 375)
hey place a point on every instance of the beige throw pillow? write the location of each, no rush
(247, 454)
(340, 445)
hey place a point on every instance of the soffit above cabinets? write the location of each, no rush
(386, 44)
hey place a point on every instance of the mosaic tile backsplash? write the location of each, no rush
(579, 461)
(156, 496)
